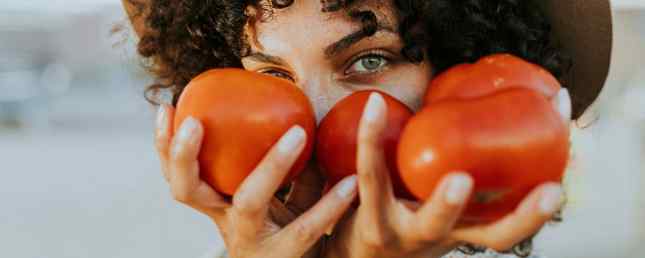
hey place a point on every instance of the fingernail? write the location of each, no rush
(551, 200)
(562, 103)
(374, 107)
(459, 187)
(161, 119)
(187, 129)
(347, 187)
(292, 139)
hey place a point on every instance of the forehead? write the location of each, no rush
(305, 20)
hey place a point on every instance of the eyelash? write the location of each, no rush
(274, 71)
(369, 54)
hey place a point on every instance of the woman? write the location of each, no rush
(331, 49)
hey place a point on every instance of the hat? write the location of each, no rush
(583, 29)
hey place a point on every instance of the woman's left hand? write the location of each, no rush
(254, 224)
(386, 227)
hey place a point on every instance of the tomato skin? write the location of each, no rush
(336, 146)
(492, 119)
(489, 75)
(510, 142)
(244, 114)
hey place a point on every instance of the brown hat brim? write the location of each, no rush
(584, 31)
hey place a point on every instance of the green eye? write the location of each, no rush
(372, 63)
(368, 64)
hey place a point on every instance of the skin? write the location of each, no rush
(254, 224)
(328, 78)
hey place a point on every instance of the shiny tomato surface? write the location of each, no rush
(244, 114)
(510, 142)
(489, 75)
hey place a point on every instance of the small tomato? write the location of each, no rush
(336, 147)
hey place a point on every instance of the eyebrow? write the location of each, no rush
(331, 50)
(264, 58)
(351, 39)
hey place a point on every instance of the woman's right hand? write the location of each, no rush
(384, 226)
(248, 223)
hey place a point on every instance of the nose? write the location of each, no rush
(323, 94)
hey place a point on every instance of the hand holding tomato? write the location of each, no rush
(384, 226)
(495, 120)
(254, 224)
(509, 142)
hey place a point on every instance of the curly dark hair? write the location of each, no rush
(184, 38)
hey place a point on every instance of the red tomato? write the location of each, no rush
(336, 146)
(510, 142)
(244, 114)
(489, 75)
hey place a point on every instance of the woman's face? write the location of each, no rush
(296, 43)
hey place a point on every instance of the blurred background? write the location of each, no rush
(80, 177)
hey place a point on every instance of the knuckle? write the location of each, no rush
(435, 232)
(433, 236)
(275, 163)
(501, 245)
(160, 132)
(372, 174)
(161, 144)
(176, 152)
(371, 135)
(181, 196)
(304, 233)
(165, 173)
(366, 174)
(374, 243)
(367, 138)
(377, 240)
(179, 155)
(245, 206)
(184, 151)
(274, 166)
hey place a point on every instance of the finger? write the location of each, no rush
(185, 183)
(537, 209)
(410, 205)
(163, 134)
(436, 218)
(562, 103)
(255, 193)
(373, 176)
(306, 230)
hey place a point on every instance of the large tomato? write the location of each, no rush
(510, 142)
(336, 146)
(244, 114)
(489, 75)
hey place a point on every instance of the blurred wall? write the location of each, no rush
(605, 216)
